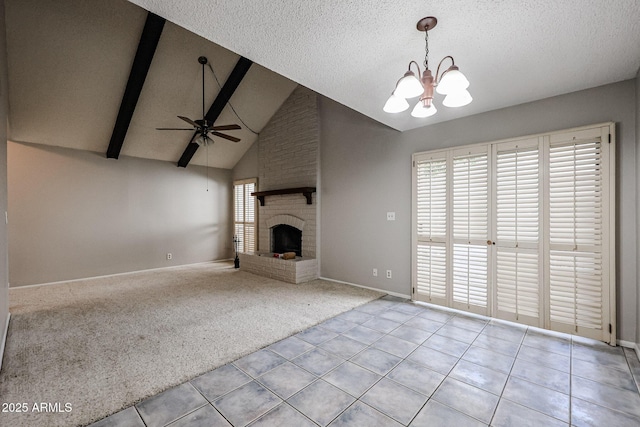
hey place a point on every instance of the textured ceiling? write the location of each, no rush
(511, 51)
(69, 61)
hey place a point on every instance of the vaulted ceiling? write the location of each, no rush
(512, 51)
(69, 61)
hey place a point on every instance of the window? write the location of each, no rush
(245, 214)
(521, 230)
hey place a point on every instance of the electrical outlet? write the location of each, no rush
(169, 255)
(375, 272)
(391, 216)
(388, 274)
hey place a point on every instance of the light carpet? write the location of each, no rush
(104, 344)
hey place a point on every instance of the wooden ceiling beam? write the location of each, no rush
(141, 63)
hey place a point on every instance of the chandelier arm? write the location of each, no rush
(418, 66)
(438, 76)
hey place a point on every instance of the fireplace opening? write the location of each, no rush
(285, 238)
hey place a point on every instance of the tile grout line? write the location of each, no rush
(140, 415)
(515, 359)
(358, 399)
(402, 359)
(633, 374)
(191, 412)
(420, 345)
(447, 375)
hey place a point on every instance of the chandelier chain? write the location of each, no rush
(426, 49)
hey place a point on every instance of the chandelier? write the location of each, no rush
(451, 83)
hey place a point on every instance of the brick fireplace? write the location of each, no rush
(288, 158)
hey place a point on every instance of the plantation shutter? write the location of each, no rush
(245, 214)
(470, 206)
(578, 235)
(517, 231)
(430, 275)
(238, 197)
(522, 230)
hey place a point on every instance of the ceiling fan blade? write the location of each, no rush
(188, 120)
(190, 129)
(226, 127)
(229, 137)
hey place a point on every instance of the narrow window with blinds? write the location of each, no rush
(245, 214)
(521, 230)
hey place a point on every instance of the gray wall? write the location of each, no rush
(4, 276)
(638, 209)
(247, 166)
(366, 172)
(75, 214)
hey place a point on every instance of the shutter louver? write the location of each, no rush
(470, 230)
(575, 236)
(575, 190)
(521, 229)
(432, 271)
(470, 275)
(250, 217)
(239, 202)
(576, 289)
(518, 285)
(517, 232)
(432, 199)
(245, 215)
(431, 228)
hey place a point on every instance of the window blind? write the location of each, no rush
(245, 214)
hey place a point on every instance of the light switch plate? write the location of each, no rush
(391, 216)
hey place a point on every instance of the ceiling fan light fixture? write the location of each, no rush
(395, 104)
(200, 140)
(205, 128)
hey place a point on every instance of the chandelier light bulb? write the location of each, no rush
(452, 81)
(421, 111)
(408, 86)
(457, 99)
(395, 104)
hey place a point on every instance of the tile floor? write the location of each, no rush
(394, 363)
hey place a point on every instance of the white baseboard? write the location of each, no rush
(395, 294)
(4, 339)
(122, 274)
(627, 344)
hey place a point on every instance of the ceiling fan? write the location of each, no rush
(204, 128)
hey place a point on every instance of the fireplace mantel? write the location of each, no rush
(306, 191)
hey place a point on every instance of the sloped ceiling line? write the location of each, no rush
(142, 62)
(229, 87)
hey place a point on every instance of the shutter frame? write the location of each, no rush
(592, 234)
